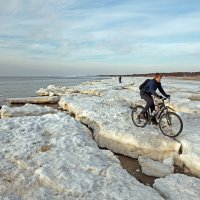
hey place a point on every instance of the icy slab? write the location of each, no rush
(155, 168)
(178, 187)
(95, 88)
(54, 157)
(52, 90)
(110, 118)
(169, 161)
(106, 85)
(26, 110)
(190, 140)
(183, 104)
(36, 100)
(128, 92)
(180, 90)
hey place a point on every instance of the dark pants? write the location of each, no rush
(149, 102)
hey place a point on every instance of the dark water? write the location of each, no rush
(26, 86)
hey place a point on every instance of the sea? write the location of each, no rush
(12, 87)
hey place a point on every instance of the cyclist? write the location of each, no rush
(149, 88)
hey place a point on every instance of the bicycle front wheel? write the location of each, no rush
(135, 117)
(171, 124)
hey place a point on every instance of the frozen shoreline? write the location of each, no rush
(104, 106)
(113, 104)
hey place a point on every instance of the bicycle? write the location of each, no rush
(166, 119)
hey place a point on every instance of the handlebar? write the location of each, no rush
(164, 98)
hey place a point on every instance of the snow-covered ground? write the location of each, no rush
(54, 157)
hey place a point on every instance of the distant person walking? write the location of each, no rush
(120, 79)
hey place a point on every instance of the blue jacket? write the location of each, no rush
(151, 87)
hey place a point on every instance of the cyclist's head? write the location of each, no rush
(158, 77)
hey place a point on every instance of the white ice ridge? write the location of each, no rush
(178, 187)
(190, 140)
(105, 113)
(110, 117)
(54, 157)
(181, 91)
(26, 110)
(36, 100)
(95, 88)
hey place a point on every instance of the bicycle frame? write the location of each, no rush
(163, 109)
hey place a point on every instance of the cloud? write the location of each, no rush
(11, 6)
(94, 32)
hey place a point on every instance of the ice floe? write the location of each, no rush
(113, 128)
(54, 157)
(157, 169)
(95, 88)
(35, 100)
(190, 142)
(109, 116)
(178, 187)
(26, 110)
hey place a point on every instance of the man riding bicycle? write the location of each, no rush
(149, 88)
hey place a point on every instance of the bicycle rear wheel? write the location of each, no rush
(135, 117)
(171, 124)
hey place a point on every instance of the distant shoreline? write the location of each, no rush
(166, 74)
(193, 78)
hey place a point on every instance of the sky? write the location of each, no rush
(89, 37)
